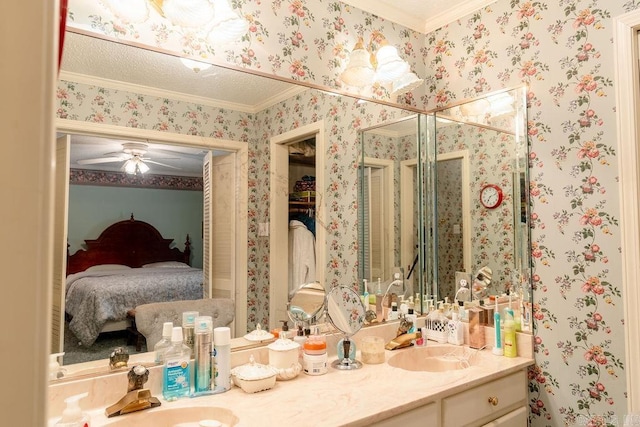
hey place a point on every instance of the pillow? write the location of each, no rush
(166, 264)
(107, 267)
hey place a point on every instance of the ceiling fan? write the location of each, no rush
(133, 157)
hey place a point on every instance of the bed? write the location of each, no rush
(129, 264)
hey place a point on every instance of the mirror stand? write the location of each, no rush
(346, 363)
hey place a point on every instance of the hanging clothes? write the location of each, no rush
(302, 255)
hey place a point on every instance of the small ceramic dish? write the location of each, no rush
(254, 377)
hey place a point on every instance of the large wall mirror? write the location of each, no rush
(114, 98)
(481, 193)
(475, 204)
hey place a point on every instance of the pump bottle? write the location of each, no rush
(72, 416)
(161, 347)
(510, 349)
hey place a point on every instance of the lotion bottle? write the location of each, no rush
(510, 349)
(455, 331)
(72, 416)
(497, 348)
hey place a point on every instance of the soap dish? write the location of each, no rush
(259, 334)
(254, 377)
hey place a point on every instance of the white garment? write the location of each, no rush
(302, 255)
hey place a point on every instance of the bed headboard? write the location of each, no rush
(129, 242)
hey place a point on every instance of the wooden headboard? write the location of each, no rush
(129, 242)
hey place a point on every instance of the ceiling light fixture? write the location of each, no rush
(215, 20)
(135, 166)
(194, 65)
(370, 64)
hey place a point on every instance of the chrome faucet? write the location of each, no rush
(137, 397)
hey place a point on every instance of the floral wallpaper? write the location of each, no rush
(562, 51)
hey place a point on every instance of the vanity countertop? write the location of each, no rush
(341, 398)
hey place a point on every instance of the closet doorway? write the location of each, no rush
(297, 231)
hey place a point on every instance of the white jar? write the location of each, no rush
(315, 364)
(283, 356)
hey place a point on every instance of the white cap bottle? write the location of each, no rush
(72, 416)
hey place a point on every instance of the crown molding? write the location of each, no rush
(415, 22)
(179, 96)
(453, 14)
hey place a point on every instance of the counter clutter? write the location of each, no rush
(339, 398)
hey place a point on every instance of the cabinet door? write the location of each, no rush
(426, 415)
(517, 418)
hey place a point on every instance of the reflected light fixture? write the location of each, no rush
(194, 65)
(215, 20)
(135, 166)
(384, 66)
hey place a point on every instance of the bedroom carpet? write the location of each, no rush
(101, 349)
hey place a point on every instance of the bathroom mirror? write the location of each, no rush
(389, 204)
(346, 312)
(307, 303)
(88, 88)
(482, 197)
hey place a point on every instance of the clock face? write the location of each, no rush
(491, 196)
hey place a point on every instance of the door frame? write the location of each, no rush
(627, 75)
(279, 224)
(241, 150)
(389, 236)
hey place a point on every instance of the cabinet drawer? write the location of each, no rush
(485, 402)
(426, 415)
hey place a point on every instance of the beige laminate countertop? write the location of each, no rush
(338, 398)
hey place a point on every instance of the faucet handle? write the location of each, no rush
(118, 358)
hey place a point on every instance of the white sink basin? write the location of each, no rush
(175, 417)
(434, 358)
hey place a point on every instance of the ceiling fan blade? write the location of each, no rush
(100, 160)
(160, 164)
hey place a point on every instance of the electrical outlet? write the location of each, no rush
(263, 229)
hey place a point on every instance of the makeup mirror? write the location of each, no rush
(345, 312)
(307, 303)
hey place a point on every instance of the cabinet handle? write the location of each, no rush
(493, 400)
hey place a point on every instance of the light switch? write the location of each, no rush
(456, 228)
(263, 229)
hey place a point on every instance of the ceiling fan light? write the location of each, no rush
(228, 26)
(142, 166)
(188, 13)
(390, 65)
(130, 167)
(128, 11)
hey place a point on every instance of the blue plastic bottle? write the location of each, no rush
(176, 378)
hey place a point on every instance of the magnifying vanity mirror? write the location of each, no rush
(307, 303)
(345, 312)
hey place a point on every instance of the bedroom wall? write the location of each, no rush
(173, 213)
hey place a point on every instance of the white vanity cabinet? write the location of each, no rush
(499, 402)
(486, 402)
